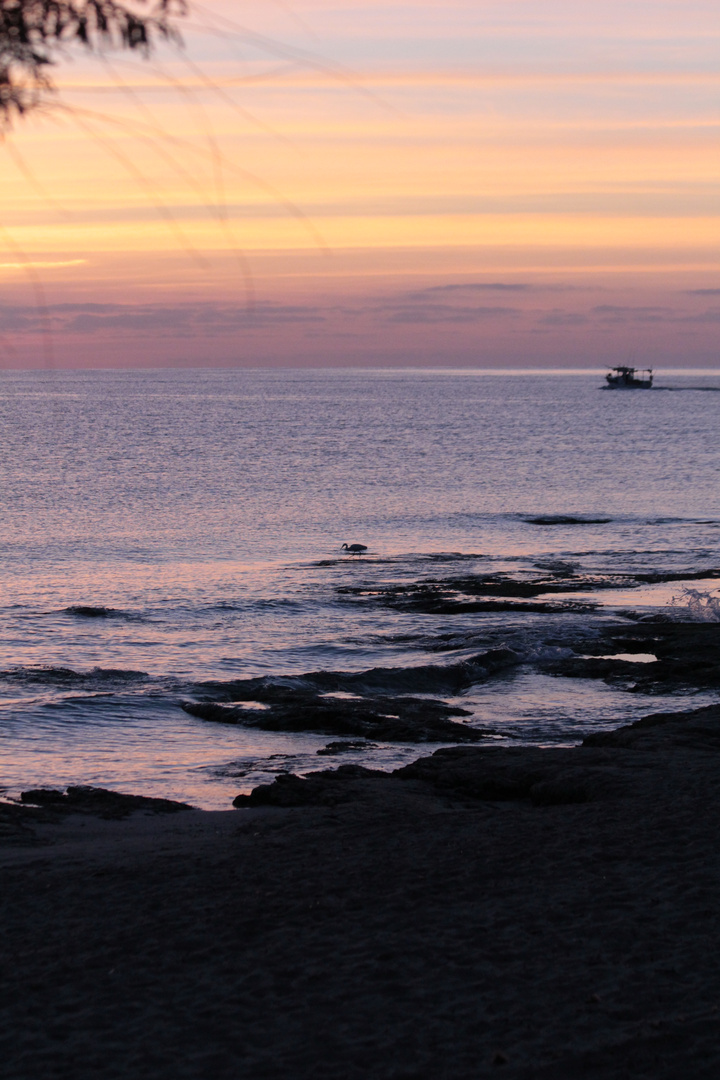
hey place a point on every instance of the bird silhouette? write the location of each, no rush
(355, 549)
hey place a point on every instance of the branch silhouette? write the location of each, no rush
(34, 32)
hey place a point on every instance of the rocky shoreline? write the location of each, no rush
(381, 703)
(484, 911)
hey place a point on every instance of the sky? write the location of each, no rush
(472, 183)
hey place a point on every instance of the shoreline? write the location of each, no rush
(573, 674)
(487, 910)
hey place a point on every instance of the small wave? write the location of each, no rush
(87, 611)
(274, 603)
(269, 766)
(670, 521)
(566, 519)
(631, 519)
(264, 604)
(690, 389)
(451, 556)
(62, 676)
(557, 566)
(419, 679)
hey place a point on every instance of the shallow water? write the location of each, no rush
(201, 513)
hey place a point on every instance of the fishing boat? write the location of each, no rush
(629, 378)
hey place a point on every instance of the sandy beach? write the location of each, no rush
(516, 912)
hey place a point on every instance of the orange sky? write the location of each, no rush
(501, 184)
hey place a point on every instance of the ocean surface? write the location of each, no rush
(166, 532)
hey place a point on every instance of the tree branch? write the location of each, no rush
(32, 32)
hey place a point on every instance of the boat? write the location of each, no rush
(629, 378)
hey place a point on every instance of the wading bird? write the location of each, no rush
(355, 549)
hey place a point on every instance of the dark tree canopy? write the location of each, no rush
(32, 32)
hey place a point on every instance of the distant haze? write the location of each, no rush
(472, 183)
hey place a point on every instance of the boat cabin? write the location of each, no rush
(629, 378)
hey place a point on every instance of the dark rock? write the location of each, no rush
(654, 578)
(43, 797)
(93, 800)
(48, 806)
(543, 777)
(346, 745)
(16, 822)
(382, 705)
(476, 775)
(451, 597)
(547, 777)
(395, 719)
(595, 667)
(698, 729)
(472, 592)
(688, 656)
(558, 792)
(327, 788)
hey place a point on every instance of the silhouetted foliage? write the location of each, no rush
(33, 32)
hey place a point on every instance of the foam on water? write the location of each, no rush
(698, 605)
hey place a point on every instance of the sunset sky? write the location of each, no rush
(484, 183)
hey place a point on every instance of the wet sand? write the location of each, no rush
(490, 912)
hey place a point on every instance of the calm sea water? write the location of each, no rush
(205, 510)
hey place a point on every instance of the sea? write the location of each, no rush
(167, 531)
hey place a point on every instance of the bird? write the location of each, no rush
(355, 549)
